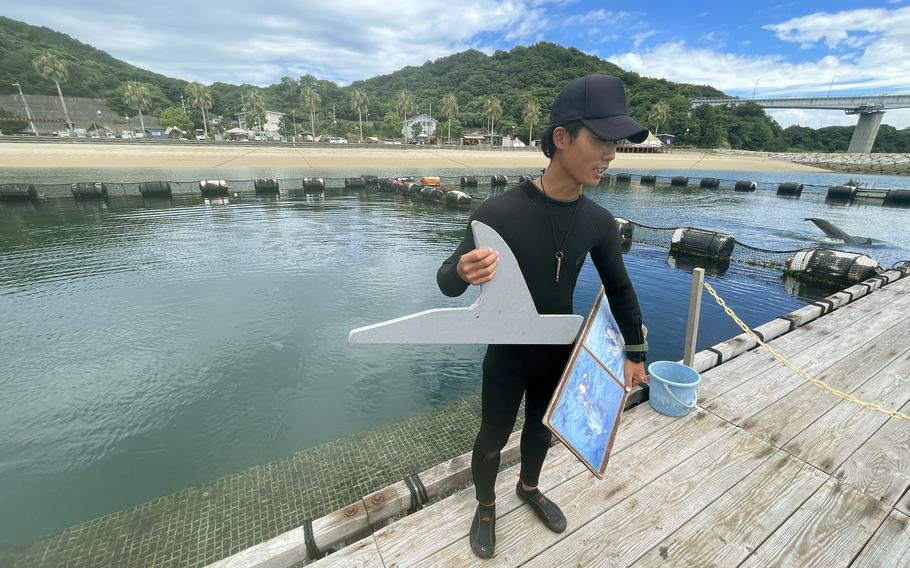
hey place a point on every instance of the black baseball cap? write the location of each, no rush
(599, 101)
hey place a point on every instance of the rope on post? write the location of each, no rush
(311, 549)
(783, 360)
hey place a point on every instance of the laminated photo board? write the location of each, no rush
(585, 409)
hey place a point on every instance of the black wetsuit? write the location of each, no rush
(520, 217)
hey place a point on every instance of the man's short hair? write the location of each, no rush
(546, 143)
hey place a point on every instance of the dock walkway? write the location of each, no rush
(769, 470)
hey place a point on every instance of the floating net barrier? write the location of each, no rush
(688, 246)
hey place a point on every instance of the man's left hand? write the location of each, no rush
(635, 374)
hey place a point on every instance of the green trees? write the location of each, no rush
(658, 115)
(404, 104)
(391, 125)
(200, 98)
(359, 104)
(255, 109)
(52, 68)
(492, 111)
(530, 115)
(310, 100)
(450, 110)
(136, 96)
(174, 116)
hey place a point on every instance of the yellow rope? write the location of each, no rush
(797, 370)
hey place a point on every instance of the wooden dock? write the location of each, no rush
(768, 471)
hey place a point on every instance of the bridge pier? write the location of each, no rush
(866, 131)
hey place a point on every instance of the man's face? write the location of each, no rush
(587, 157)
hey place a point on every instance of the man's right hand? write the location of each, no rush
(478, 266)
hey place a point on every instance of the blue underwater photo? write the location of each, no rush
(588, 408)
(605, 341)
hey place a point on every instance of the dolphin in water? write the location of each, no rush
(831, 231)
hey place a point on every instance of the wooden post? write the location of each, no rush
(698, 281)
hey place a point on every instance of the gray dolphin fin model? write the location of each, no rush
(504, 312)
(835, 233)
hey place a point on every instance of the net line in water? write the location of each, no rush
(749, 258)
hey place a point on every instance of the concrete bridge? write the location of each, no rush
(870, 108)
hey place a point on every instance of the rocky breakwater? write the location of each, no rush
(885, 164)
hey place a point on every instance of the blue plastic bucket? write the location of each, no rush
(672, 391)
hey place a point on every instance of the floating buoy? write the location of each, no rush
(831, 266)
(17, 192)
(370, 181)
(468, 181)
(89, 190)
(745, 185)
(790, 189)
(623, 177)
(625, 228)
(430, 180)
(155, 189)
(498, 180)
(679, 181)
(698, 242)
(898, 198)
(458, 198)
(266, 186)
(354, 183)
(841, 193)
(426, 191)
(648, 179)
(437, 194)
(214, 187)
(313, 185)
(710, 183)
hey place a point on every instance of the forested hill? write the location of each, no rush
(516, 77)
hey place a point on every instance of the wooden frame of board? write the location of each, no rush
(559, 400)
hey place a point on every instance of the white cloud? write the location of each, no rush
(877, 58)
(817, 118)
(640, 37)
(258, 42)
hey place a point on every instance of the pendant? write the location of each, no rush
(558, 264)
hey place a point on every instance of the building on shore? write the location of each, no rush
(427, 127)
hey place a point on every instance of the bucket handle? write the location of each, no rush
(681, 403)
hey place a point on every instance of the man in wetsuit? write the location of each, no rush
(550, 227)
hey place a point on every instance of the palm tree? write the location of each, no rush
(137, 97)
(492, 109)
(53, 68)
(200, 98)
(531, 114)
(405, 104)
(658, 114)
(255, 108)
(310, 100)
(450, 109)
(359, 103)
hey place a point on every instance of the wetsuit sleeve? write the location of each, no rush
(450, 283)
(607, 257)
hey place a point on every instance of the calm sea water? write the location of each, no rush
(149, 346)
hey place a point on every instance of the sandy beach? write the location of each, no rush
(83, 155)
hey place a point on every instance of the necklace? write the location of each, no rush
(559, 249)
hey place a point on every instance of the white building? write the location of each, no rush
(270, 128)
(427, 124)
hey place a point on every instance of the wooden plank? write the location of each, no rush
(406, 542)
(626, 532)
(419, 535)
(726, 532)
(904, 504)
(890, 545)
(392, 500)
(780, 421)
(829, 530)
(752, 396)
(362, 554)
(731, 374)
(880, 468)
(830, 440)
(520, 535)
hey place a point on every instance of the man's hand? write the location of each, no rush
(635, 374)
(478, 266)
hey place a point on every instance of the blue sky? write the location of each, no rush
(788, 48)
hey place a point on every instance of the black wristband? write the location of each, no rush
(636, 356)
